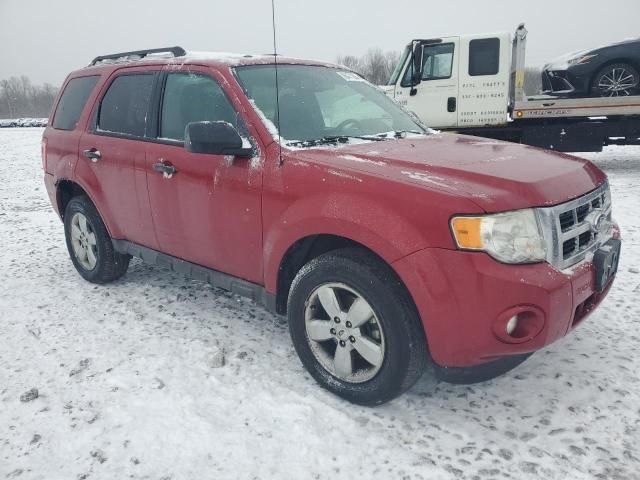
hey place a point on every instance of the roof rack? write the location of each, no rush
(176, 51)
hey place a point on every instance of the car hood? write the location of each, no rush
(562, 62)
(496, 176)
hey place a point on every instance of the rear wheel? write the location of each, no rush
(89, 243)
(617, 80)
(355, 327)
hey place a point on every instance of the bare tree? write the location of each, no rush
(375, 65)
(20, 98)
(349, 61)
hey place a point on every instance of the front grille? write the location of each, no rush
(576, 228)
(556, 81)
(568, 248)
(585, 239)
(567, 221)
(582, 211)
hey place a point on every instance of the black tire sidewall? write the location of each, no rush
(393, 314)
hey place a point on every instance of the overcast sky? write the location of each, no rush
(46, 39)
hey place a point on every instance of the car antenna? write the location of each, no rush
(275, 57)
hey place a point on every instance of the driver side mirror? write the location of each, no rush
(417, 63)
(214, 138)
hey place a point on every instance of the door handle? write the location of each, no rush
(164, 168)
(92, 154)
(452, 104)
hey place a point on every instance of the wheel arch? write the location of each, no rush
(66, 189)
(309, 247)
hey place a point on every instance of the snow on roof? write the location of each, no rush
(250, 58)
(225, 58)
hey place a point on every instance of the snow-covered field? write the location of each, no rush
(160, 377)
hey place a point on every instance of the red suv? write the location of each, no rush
(390, 247)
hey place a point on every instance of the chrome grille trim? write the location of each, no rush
(555, 237)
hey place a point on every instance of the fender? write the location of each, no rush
(85, 177)
(364, 222)
(61, 163)
(61, 171)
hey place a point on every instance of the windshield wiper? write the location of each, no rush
(334, 139)
(346, 138)
(403, 133)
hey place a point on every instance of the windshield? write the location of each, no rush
(322, 105)
(396, 72)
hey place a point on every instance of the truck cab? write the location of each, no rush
(460, 81)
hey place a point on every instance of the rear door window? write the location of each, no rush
(72, 102)
(190, 98)
(124, 108)
(484, 57)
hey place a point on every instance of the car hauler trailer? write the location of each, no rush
(474, 84)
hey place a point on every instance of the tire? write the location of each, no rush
(89, 243)
(392, 338)
(617, 80)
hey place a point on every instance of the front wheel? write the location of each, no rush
(355, 327)
(89, 243)
(618, 80)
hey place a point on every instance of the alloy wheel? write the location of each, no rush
(618, 82)
(83, 241)
(344, 333)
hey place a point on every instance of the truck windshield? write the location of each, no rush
(396, 72)
(323, 105)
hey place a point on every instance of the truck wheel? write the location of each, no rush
(355, 328)
(618, 80)
(89, 243)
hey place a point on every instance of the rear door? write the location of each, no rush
(435, 99)
(209, 211)
(112, 155)
(485, 71)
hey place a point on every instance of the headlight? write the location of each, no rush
(512, 237)
(582, 59)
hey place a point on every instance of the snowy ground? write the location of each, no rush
(132, 384)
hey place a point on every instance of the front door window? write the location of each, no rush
(437, 63)
(190, 98)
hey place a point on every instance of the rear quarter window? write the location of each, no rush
(72, 102)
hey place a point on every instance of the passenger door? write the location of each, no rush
(485, 71)
(435, 99)
(209, 211)
(112, 156)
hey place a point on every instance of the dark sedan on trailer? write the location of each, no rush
(610, 71)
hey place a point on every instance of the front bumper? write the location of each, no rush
(565, 82)
(465, 299)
